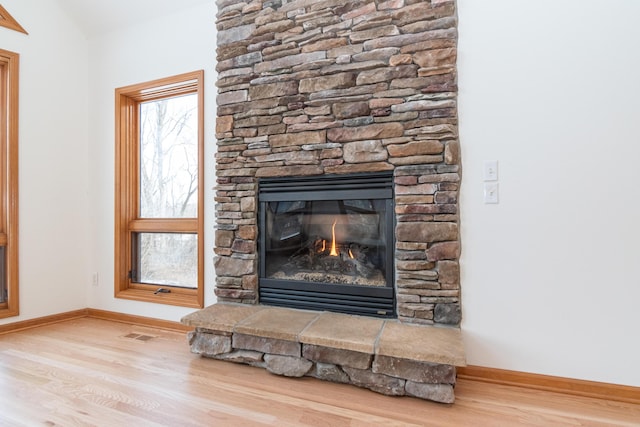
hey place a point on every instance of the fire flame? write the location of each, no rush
(350, 254)
(333, 252)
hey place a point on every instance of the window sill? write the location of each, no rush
(191, 300)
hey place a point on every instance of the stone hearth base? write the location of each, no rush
(385, 356)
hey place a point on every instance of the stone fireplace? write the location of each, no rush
(309, 93)
(312, 89)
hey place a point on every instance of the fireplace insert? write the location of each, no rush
(326, 243)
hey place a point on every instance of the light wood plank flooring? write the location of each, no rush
(90, 372)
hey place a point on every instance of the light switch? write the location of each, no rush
(490, 170)
(491, 192)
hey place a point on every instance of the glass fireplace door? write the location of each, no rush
(327, 243)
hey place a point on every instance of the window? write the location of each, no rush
(159, 191)
(8, 183)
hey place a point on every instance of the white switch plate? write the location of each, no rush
(490, 171)
(491, 192)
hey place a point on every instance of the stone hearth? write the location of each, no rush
(311, 88)
(385, 356)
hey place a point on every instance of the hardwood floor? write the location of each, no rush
(101, 373)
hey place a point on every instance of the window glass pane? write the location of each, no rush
(327, 241)
(169, 259)
(169, 158)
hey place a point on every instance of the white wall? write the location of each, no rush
(53, 152)
(550, 275)
(176, 44)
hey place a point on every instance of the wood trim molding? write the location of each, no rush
(597, 390)
(42, 321)
(96, 314)
(8, 21)
(138, 320)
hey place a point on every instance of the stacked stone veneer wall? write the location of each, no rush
(309, 87)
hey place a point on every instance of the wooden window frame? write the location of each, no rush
(9, 84)
(127, 219)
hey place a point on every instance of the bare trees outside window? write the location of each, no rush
(169, 158)
(168, 188)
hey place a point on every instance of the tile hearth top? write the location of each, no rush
(383, 337)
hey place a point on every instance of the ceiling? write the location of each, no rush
(96, 17)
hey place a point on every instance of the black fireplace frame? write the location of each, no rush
(351, 299)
